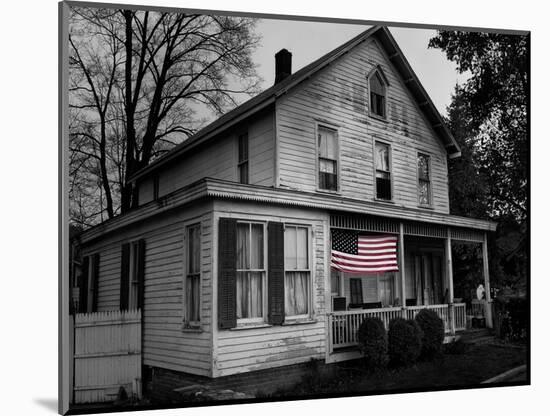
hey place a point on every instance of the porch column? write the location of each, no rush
(402, 270)
(449, 270)
(488, 300)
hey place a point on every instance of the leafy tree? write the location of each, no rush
(138, 79)
(493, 103)
(488, 117)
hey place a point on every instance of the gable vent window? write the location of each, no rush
(328, 159)
(424, 180)
(243, 158)
(383, 174)
(377, 89)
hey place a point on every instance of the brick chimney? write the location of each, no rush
(283, 65)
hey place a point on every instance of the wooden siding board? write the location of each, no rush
(337, 94)
(220, 161)
(239, 350)
(165, 343)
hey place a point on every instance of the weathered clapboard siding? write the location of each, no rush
(337, 97)
(165, 343)
(219, 160)
(241, 350)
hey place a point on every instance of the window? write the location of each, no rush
(193, 276)
(385, 289)
(251, 271)
(356, 291)
(243, 158)
(377, 89)
(383, 174)
(89, 281)
(424, 185)
(133, 277)
(328, 159)
(297, 270)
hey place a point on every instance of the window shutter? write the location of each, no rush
(95, 279)
(227, 273)
(124, 276)
(83, 295)
(141, 272)
(276, 273)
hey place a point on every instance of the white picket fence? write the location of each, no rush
(107, 355)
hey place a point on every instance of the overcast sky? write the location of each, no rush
(310, 40)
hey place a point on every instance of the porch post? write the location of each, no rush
(449, 270)
(488, 300)
(402, 270)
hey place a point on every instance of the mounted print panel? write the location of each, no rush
(250, 212)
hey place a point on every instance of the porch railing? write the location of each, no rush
(343, 325)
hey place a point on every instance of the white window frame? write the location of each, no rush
(327, 126)
(263, 318)
(310, 236)
(241, 163)
(390, 166)
(187, 322)
(430, 187)
(133, 284)
(374, 72)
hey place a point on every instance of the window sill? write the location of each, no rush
(425, 206)
(191, 329)
(384, 201)
(242, 327)
(379, 118)
(300, 321)
(328, 191)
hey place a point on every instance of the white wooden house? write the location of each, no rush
(228, 254)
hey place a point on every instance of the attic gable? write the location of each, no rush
(268, 97)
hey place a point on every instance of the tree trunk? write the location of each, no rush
(126, 191)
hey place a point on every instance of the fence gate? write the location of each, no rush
(107, 355)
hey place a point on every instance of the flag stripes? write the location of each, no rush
(354, 253)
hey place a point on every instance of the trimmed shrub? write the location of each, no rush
(433, 331)
(404, 341)
(373, 342)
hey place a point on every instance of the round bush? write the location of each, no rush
(433, 331)
(404, 341)
(373, 342)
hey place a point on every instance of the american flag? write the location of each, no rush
(356, 253)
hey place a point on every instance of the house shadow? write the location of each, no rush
(49, 404)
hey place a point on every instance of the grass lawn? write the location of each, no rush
(473, 366)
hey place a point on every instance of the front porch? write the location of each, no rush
(423, 280)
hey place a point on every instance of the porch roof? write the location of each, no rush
(216, 188)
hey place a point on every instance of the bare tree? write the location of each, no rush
(137, 82)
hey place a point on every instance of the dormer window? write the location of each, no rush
(377, 89)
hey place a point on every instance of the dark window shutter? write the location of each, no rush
(276, 272)
(95, 280)
(124, 276)
(83, 295)
(227, 273)
(141, 272)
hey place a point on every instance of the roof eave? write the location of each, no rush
(427, 106)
